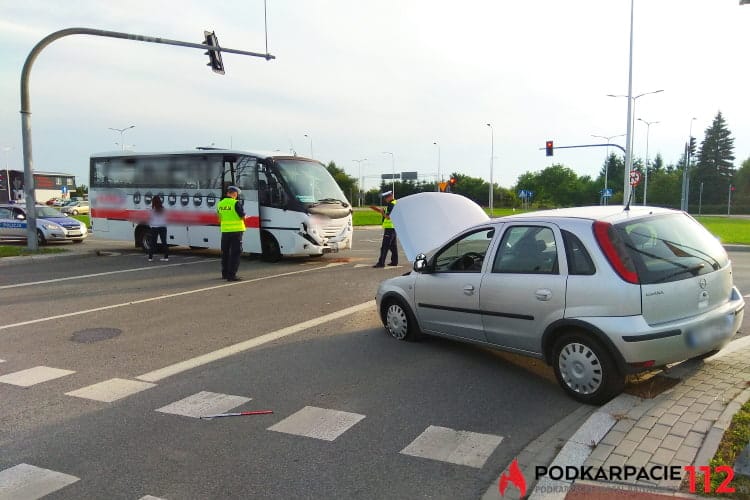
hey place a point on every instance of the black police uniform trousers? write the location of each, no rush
(231, 249)
(389, 243)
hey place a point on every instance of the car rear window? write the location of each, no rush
(671, 247)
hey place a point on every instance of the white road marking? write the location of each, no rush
(150, 497)
(456, 447)
(203, 404)
(111, 390)
(94, 275)
(28, 482)
(168, 371)
(317, 423)
(2, 361)
(33, 376)
(161, 297)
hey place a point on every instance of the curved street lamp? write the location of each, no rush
(393, 171)
(645, 182)
(492, 164)
(438, 165)
(122, 131)
(361, 181)
(311, 148)
(607, 138)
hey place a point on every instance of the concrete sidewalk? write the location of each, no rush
(682, 426)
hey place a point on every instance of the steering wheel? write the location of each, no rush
(467, 261)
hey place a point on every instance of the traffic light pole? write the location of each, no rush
(28, 171)
(590, 146)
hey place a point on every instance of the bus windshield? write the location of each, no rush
(310, 182)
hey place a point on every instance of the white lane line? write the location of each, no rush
(456, 447)
(111, 390)
(94, 275)
(33, 376)
(157, 375)
(30, 482)
(317, 423)
(203, 404)
(162, 297)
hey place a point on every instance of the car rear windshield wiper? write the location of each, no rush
(694, 270)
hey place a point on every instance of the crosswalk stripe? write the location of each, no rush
(203, 404)
(111, 390)
(27, 482)
(456, 447)
(33, 376)
(318, 423)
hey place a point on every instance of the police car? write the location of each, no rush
(51, 225)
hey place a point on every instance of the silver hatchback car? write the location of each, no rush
(597, 292)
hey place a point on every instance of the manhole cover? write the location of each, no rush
(90, 335)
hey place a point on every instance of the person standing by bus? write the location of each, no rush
(389, 231)
(232, 221)
(158, 223)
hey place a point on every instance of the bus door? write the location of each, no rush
(243, 173)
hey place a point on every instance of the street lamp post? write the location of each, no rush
(122, 131)
(631, 123)
(361, 180)
(645, 181)
(393, 171)
(492, 164)
(439, 179)
(607, 138)
(6, 150)
(311, 148)
(685, 178)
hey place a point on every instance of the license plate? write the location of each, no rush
(710, 333)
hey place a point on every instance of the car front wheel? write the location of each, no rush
(586, 370)
(399, 321)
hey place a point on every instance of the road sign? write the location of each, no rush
(390, 176)
(607, 193)
(409, 176)
(635, 178)
(64, 189)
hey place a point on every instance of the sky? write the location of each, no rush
(353, 80)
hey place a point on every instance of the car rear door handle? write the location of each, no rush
(469, 289)
(543, 294)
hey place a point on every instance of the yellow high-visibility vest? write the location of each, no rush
(230, 221)
(387, 222)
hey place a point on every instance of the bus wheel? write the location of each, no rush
(143, 238)
(270, 248)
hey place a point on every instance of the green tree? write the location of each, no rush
(347, 183)
(715, 163)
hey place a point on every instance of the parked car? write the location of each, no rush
(51, 225)
(597, 292)
(76, 208)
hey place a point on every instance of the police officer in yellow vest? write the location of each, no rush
(232, 219)
(389, 232)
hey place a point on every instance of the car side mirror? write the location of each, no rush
(420, 263)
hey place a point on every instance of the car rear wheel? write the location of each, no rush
(399, 321)
(586, 370)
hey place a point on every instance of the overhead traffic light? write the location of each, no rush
(214, 55)
(550, 148)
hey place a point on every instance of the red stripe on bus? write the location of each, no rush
(173, 217)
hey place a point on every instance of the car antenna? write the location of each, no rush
(630, 198)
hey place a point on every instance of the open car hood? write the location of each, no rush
(425, 220)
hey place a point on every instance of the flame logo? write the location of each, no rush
(514, 477)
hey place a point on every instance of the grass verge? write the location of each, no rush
(15, 251)
(736, 437)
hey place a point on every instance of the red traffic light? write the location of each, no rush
(549, 146)
(453, 181)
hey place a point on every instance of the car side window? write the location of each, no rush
(4, 213)
(465, 255)
(527, 250)
(16, 212)
(578, 258)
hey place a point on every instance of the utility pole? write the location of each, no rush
(28, 171)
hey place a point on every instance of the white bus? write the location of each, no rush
(293, 205)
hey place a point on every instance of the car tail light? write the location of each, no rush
(615, 251)
(643, 364)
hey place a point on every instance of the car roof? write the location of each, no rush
(609, 213)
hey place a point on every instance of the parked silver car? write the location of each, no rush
(597, 292)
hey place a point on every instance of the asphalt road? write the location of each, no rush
(108, 360)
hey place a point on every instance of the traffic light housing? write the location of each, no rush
(550, 148)
(214, 56)
(453, 181)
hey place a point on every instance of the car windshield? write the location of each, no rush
(43, 212)
(671, 248)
